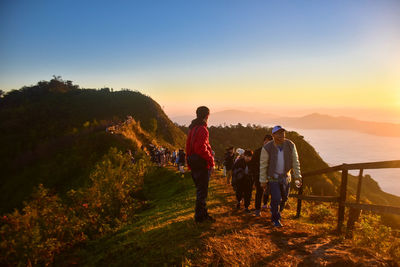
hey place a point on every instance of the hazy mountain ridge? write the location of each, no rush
(228, 117)
(320, 121)
(311, 121)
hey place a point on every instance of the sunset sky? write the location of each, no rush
(338, 57)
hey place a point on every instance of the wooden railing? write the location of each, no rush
(356, 207)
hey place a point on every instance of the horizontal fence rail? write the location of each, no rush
(374, 208)
(356, 207)
(357, 166)
(316, 198)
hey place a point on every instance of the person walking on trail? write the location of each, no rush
(261, 193)
(240, 152)
(200, 161)
(181, 161)
(228, 164)
(277, 159)
(174, 154)
(242, 180)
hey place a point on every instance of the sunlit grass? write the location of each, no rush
(166, 234)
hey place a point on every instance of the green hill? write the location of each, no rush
(54, 133)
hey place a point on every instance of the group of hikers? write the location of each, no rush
(269, 169)
(159, 155)
(163, 156)
(243, 182)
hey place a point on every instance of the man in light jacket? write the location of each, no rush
(277, 159)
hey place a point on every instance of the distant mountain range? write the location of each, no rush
(312, 121)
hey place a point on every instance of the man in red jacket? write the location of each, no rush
(200, 161)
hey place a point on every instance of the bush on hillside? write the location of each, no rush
(43, 228)
(47, 225)
(372, 233)
(320, 214)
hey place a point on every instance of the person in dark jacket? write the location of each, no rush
(181, 160)
(261, 193)
(228, 164)
(200, 160)
(242, 180)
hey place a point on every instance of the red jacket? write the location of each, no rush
(201, 144)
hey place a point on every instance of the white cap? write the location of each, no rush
(240, 151)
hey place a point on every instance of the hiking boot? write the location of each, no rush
(277, 224)
(257, 213)
(284, 206)
(198, 220)
(209, 218)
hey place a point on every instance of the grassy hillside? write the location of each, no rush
(54, 133)
(164, 234)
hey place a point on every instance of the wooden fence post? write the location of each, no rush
(354, 214)
(342, 198)
(299, 202)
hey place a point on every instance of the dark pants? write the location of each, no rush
(261, 193)
(285, 189)
(201, 179)
(243, 190)
(228, 176)
(267, 193)
(279, 196)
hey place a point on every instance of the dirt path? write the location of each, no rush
(237, 238)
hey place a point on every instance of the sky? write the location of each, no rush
(285, 57)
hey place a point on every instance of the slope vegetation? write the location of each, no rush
(54, 133)
(165, 234)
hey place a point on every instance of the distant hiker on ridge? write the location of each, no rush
(181, 161)
(242, 180)
(240, 152)
(200, 161)
(278, 158)
(228, 164)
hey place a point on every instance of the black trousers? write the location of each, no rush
(243, 191)
(201, 179)
(261, 193)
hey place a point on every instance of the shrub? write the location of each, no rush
(47, 225)
(43, 229)
(394, 250)
(320, 214)
(109, 201)
(371, 232)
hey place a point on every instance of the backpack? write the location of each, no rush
(237, 176)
